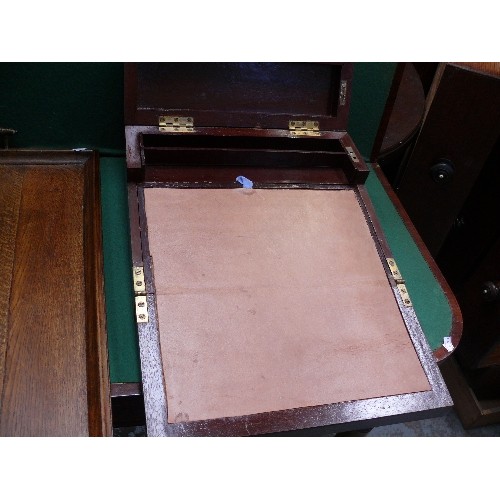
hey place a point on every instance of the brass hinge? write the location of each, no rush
(303, 127)
(393, 267)
(141, 302)
(176, 124)
(400, 282)
(405, 297)
(141, 309)
(352, 154)
(343, 92)
(139, 283)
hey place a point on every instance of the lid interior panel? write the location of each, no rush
(256, 95)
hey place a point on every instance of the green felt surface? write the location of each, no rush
(123, 348)
(430, 303)
(63, 105)
(70, 105)
(371, 85)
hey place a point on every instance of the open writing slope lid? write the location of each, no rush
(253, 95)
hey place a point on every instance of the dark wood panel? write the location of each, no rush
(138, 136)
(481, 317)
(460, 126)
(254, 95)
(492, 357)
(56, 381)
(472, 411)
(127, 404)
(477, 226)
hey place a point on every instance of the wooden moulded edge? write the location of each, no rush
(337, 417)
(98, 381)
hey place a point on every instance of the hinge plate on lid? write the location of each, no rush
(343, 92)
(405, 297)
(393, 267)
(400, 282)
(175, 123)
(303, 127)
(141, 309)
(139, 283)
(352, 154)
(141, 300)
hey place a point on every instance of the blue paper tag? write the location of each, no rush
(246, 183)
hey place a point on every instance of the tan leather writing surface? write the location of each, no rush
(272, 299)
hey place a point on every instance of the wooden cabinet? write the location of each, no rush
(461, 126)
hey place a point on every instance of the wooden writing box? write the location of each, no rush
(269, 309)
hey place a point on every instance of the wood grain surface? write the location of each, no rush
(54, 365)
(9, 212)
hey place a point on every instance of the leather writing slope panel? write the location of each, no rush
(272, 299)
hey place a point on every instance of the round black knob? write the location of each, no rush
(490, 291)
(442, 172)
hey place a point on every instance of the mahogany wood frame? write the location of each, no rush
(339, 417)
(92, 278)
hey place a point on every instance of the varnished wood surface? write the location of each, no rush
(98, 382)
(488, 68)
(10, 198)
(55, 366)
(261, 155)
(461, 125)
(250, 95)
